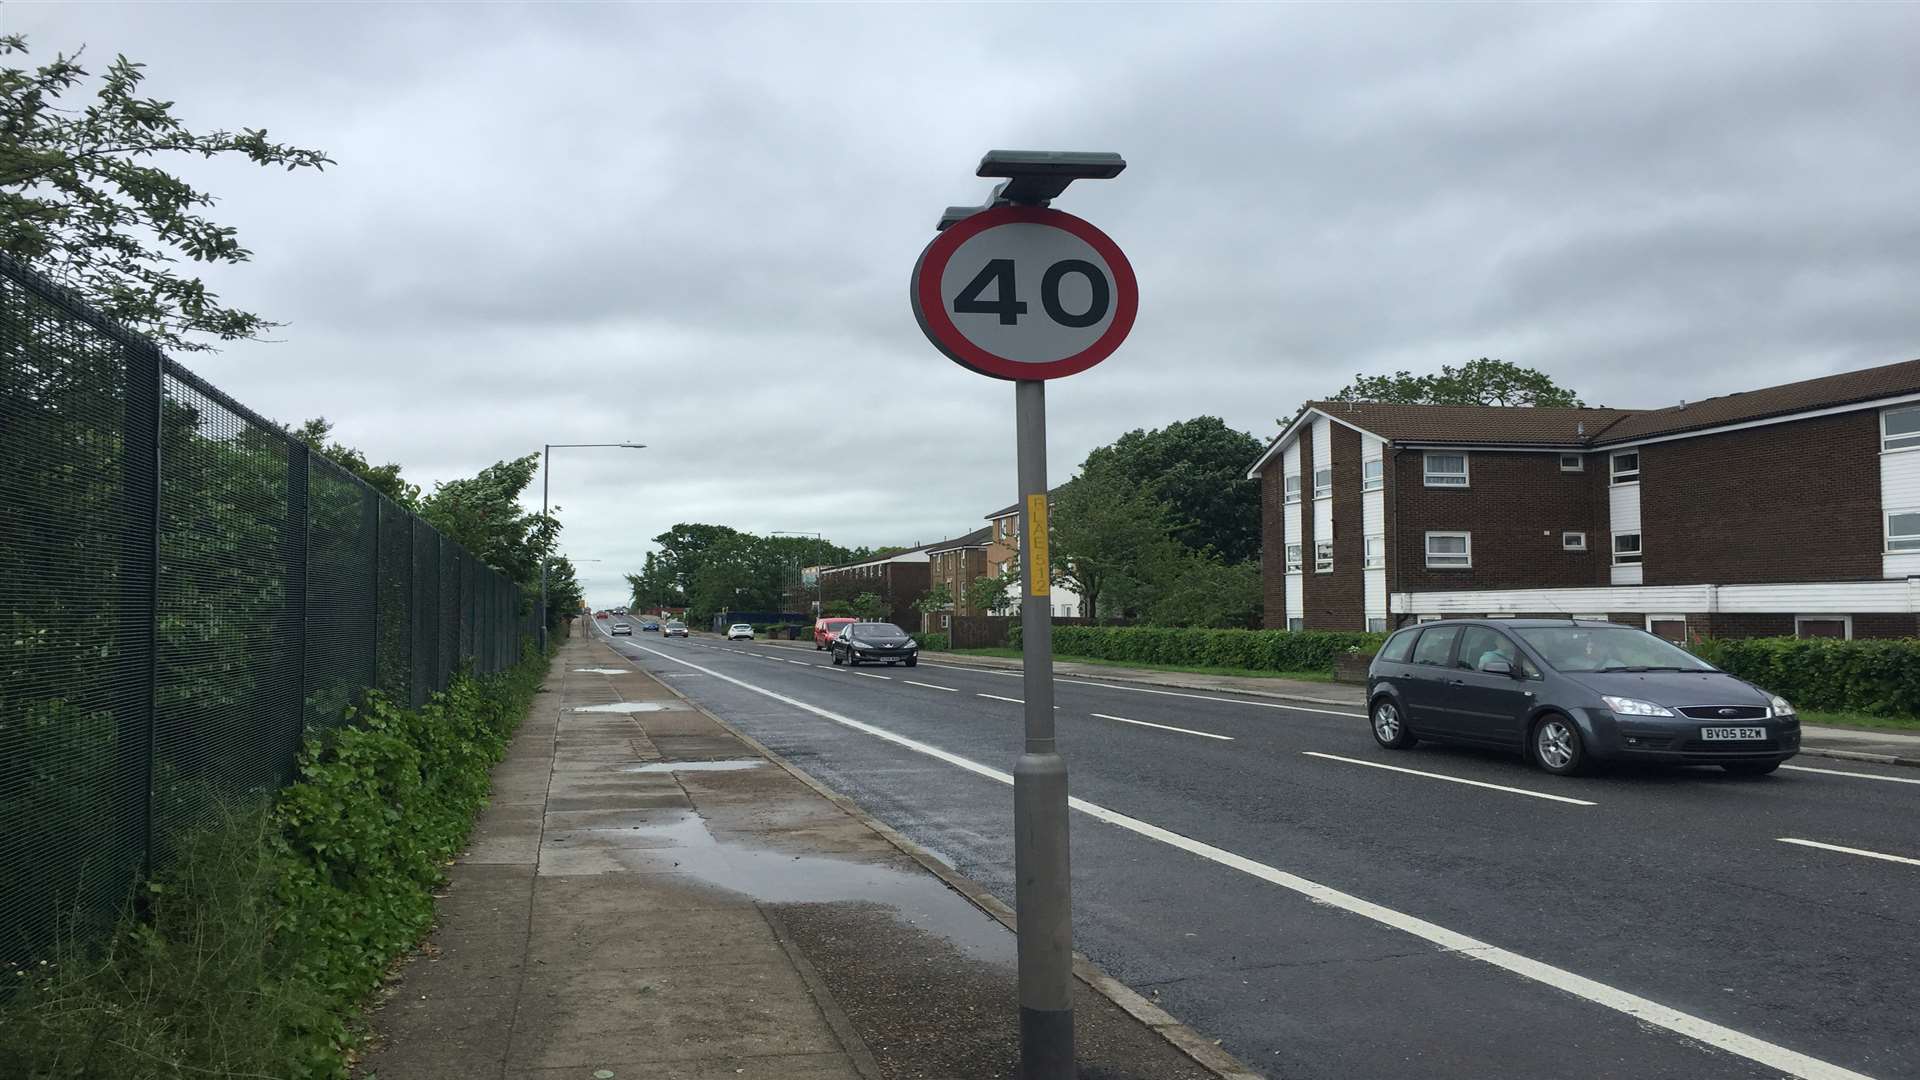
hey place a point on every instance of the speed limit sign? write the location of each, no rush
(1021, 292)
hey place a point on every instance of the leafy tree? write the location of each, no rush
(1476, 382)
(483, 513)
(1200, 590)
(385, 479)
(993, 593)
(711, 568)
(81, 200)
(1196, 469)
(938, 598)
(1109, 540)
(564, 594)
(869, 607)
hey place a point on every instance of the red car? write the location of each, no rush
(825, 630)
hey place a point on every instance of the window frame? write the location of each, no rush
(1617, 476)
(1323, 565)
(1427, 472)
(1319, 491)
(1887, 533)
(1579, 463)
(1581, 546)
(1290, 490)
(1686, 628)
(1294, 556)
(1912, 436)
(1293, 629)
(1368, 560)
(1382, 620)
(1373, 474)
(1453, 648)
(1427, 547)
(1639, 550)
(1845, 621)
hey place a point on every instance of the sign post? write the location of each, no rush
(1021, 292)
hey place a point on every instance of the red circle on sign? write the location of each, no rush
(940, 329)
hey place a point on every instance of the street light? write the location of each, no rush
(546, 485)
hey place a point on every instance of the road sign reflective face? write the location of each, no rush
(1025, 293)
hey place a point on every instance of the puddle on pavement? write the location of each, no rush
(696, 766)
(916, 897)
(599, 671)
(622, 707)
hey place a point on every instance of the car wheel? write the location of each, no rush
(1556, 746)
(817, 646)
(914, 662)
(1749, 768)
(836, 658)
(1389, 727)
(852, 660)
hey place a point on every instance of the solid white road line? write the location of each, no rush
(1849, 850)
(1166, 727)
(1451, 779)
(1857, 775)
(1647, 1011)
(930, 686)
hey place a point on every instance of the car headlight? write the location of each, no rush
(1625, 706)
(1779, 705)
(911, 644)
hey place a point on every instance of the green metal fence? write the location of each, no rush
(185, 593)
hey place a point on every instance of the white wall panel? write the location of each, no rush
(1625, 575)
(1296, 597)
(1623, 507)
(1322, 446)
(1376, 594)
(1688, 598)
(1899, 490)
(1290, 465)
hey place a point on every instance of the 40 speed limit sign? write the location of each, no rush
(1021, 292)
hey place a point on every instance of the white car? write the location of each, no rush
(740, 632)
(621, 629)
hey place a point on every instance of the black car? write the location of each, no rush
(873, 643)
(1568, 693)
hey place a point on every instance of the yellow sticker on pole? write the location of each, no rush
(1037, 570)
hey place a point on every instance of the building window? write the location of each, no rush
(1322, 556)
(1429, 618)
(1376, 552)
(1449, 550)
(1376, 626)
(1668, 628)
(1573, 463)
(1900, 429)
(1903, 530)
(1626, 467)
(1446, 470)
(1293, 558)
(1322, 483)
(1373, 474)
(1573, 541)
(1296, 625)
(1839, 627)
(1626, 548)
(1292, 488)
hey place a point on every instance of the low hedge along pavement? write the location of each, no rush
(1253, 650)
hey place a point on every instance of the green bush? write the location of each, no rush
(1877, 676)
(1254, 650)
(937, 641)
(269, 927)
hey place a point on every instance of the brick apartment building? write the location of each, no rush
(1791, 510)
(1003, 555)
(957, 564)
(900, 580)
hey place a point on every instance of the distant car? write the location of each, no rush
(650, 626)
(739, 632)
(1570, 693)
(875, 643)
(675, 628)
(621, 629)
(825, 630)
(601, 615)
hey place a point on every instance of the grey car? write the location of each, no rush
(1569, 693)
(875, 643)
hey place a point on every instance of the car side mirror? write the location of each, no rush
(1498, 667)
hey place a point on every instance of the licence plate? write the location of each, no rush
(1731, 734)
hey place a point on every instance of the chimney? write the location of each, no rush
(1683, 404)
(1580, 429)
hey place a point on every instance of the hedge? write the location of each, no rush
(938, 641)
(1254, 650)
(1878, 676)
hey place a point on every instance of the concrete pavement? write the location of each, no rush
(649, 896)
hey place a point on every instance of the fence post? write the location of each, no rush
(413, 624)
(297, 592)
(370, 517)
(144, 420)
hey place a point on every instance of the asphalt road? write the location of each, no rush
(1265, 879)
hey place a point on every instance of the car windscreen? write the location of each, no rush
(878, 630)
(1608, 648)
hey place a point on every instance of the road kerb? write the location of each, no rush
(1203, 1051)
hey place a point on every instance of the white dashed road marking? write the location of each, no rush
(1849, 850)
(1449, 779)
(1166, 727)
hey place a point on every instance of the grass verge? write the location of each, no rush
(1865, 721)
(1302, 676)
(277, 914)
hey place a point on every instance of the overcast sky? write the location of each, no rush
(693, 225)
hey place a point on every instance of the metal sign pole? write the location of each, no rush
(1041, 874)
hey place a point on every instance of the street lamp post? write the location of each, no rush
(546, 484)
